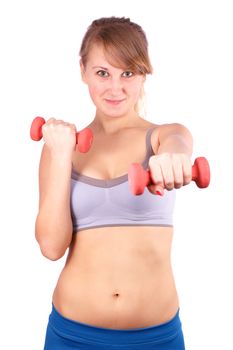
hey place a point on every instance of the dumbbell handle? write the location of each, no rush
(140, 178)
(84, 138)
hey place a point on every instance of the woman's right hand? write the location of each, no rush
(59, 136)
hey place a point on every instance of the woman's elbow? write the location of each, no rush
(50, 251)
(52, 247)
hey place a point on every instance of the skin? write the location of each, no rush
(114, 277)
(114, 92)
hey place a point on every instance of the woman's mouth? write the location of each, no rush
(114, 102)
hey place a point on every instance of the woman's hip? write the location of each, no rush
(66, 334)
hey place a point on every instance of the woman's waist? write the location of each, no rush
(100, 302)
(126, 288)
(124, 331)
(123, 269)
(110, 271)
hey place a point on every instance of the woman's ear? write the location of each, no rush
(82, 70)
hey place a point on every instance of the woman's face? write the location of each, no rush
(114, 91)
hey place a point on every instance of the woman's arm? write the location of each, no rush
(53, 229)
(175, 138)
(53, 222)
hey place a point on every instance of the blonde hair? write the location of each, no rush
(125, 45)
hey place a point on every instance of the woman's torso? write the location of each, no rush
(117, 277)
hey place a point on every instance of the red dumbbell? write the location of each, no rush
(140, 178)
(84, 138)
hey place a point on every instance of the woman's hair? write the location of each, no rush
(124, 42)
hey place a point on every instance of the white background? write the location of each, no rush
(192, 54)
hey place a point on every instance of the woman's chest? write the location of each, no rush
(110, 157)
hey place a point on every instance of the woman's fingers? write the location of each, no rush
(169, 171)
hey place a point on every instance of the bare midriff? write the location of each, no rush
(118, 277)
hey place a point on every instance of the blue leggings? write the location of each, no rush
(66, 334)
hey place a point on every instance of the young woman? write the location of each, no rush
(116, 290)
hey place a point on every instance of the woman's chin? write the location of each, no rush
(113, 113)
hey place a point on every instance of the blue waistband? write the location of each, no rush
(76, 331)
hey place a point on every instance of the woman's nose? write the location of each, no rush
(115, 85)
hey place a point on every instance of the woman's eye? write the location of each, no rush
(127, 74)
(102, 73)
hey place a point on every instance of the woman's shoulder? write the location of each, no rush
(169, 127)
(166, 125)
(172, 128)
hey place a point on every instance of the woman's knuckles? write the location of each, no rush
(171, 169)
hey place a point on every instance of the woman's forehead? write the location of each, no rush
(96, 52)
(98, 56)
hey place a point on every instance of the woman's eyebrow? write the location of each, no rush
(100, 67)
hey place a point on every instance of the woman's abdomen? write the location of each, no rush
(117, 285)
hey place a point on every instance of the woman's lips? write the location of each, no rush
(114, 102)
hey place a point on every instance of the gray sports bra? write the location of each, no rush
(100, 203)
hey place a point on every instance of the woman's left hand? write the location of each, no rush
(169, 171)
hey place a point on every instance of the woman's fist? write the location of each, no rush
(59, 136)
(169, 171)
